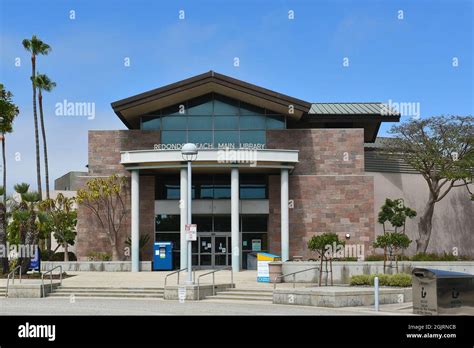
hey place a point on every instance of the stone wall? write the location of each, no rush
(328, 190)
(104, 160)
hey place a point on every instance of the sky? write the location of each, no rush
(414, 52)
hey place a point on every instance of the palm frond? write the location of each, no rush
(21, 188)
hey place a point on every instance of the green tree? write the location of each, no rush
(8, 112)
(104, 198)
(61, 220)
(396, 213)
(324, 244)
(36, 47)
(441, 150)
(392, 243)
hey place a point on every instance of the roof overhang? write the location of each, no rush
(210, 158)
(130, 109)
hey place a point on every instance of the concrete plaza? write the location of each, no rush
(96, 306)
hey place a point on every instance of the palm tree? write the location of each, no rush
(8, 112)
(44, 83)
(36, 47)
(26, 214)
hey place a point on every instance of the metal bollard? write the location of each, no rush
(376, 294)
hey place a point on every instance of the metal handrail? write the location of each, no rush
(293, 274)
(213, 279)
(51, 278)
(13, 279)
(178, 271)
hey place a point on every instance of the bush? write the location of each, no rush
(351, 259)
(98, 256)
(60, 256)
(376, 257)
(402, 280)
(46, 255)
(397, 280)
(384, 279)
(435, 257)
(360, 279)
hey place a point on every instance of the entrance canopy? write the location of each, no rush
(211, 158)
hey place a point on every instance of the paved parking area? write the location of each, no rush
(97, 306)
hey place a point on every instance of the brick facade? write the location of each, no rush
(104, 160)
(328, 188)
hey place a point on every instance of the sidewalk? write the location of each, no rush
(243, 280)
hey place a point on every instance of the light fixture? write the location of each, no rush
(348, 236)
(189, 152)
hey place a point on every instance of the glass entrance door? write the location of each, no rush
(213, 250)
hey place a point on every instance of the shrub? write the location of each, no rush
(98, 256)
(384, 279)
(351, 259)
(397, 280)
(374, 258)
(434, 257)
(46, 255)
(360, 279)
(402, 280)
(60, 256)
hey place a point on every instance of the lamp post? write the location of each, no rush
(189, 152)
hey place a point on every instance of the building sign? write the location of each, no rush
(191, 232)
(233, 146)
(263, 269)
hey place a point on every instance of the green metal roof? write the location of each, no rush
(380, 109)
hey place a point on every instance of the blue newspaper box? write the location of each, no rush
(163, 256)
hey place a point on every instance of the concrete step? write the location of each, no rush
(106, 294)
(240, 298)
(107, 288)
(109, 292)
(117, 291)
(250, 290)
(245, 293)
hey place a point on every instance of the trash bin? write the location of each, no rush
(263, 268)
(442, 292)
(252, 261)
(275, 270)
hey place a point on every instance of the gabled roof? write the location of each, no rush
(130, 109)
(362, 115)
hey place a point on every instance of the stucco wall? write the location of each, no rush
(453, 219)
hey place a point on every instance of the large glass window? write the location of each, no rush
(151, 122)
(253, 187)
(167, 187)
(254, 223)
(173, 137)
(200, 137)
(167, 223)
(228, 122)
(174, 122)
(205, 186)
